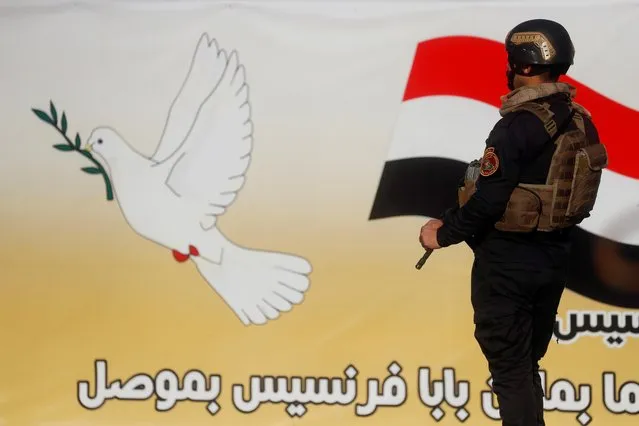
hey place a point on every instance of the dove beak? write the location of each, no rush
(88, 148)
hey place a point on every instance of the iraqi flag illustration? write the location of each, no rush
(444, 120)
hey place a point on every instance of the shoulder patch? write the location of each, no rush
(489, 163)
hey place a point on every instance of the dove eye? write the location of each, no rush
(100, 141)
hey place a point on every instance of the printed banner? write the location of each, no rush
(210, 213)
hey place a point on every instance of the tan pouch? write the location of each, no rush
(589, 163)
(522, 213)
(465, 192)
(470, 181)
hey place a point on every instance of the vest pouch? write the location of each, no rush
(522, 213)
(589, 163)
(465, 192)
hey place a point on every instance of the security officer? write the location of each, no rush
(537, 179)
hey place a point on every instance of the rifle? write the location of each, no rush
(423, 259)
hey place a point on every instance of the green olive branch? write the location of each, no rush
(75, 145)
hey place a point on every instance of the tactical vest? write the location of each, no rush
(571, 187)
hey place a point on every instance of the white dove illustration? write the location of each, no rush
(175, 197)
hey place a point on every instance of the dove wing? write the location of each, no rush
(209, 167)
(204, 74)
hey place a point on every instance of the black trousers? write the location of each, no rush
(515, 306)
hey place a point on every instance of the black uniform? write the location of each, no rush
(517, 278)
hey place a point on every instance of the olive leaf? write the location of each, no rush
(91, 170)
(54, 113)
(63, 124)
(63, 147)
(43, 116)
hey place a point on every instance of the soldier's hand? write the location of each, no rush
(428, 234)
(433, 224)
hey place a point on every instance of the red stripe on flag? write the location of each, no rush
(475, 68)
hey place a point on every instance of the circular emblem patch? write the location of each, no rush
(489, 163)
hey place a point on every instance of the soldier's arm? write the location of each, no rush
(504, 151)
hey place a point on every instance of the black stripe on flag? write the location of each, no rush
(424, 186)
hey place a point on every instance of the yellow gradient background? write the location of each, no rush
(78, 284)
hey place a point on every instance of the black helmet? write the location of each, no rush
(540, 42)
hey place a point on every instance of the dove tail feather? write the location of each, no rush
(257, 285)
